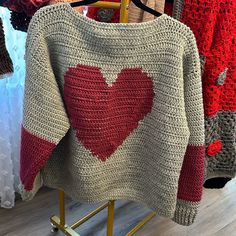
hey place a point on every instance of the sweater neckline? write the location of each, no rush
(118, 26)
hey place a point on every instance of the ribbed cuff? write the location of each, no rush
(185, 212)
(29, 195)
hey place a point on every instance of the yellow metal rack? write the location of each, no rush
(58, 222)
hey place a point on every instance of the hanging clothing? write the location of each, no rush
(114, 112)
(213, 23)
(20, 21)
(169, 4)
(138, 15)
(29, 7)
(22, 12)
(107, 15)
(6, 66)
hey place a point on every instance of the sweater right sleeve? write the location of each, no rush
(45, 121)
(192, 173)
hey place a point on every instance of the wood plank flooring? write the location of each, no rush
(217, 217)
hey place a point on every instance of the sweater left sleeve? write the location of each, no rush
(192, 173)
(45, 120)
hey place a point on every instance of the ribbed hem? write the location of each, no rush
(185, 212)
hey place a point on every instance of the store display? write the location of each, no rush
(130, 105)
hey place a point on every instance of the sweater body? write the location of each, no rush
(114, 111)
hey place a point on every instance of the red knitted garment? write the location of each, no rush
(93, 12)
(168, 8)
(213, 23)
(29, 7)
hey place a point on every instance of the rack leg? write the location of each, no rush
(110, 217)
(62, 208)
(124, 11)
(141, 224)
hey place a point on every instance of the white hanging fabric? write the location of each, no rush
(11, 100)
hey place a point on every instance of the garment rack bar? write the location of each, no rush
(110, 217)
(62, 208)
(141, 224)
(113, 5)
(124, 10)
(88, 216)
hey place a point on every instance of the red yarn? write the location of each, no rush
(213, 23)
(168, 8)
(214, 148)
(193, 165)
(33, 155)
(125, 104)
(93, 13)
(29, 7)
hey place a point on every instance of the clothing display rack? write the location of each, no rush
(59, 222)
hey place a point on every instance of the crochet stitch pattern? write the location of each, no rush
(213, 23)
(122, 106)
(114, 111)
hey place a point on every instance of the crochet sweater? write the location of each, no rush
(114, 111)
(213, 23)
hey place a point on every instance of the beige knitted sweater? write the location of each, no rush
(114, 111)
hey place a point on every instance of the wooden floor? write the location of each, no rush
(217, 216)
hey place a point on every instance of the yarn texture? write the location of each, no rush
(107, 15)
(114, 111)
(213, 23)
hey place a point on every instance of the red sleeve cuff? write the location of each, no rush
(34, 153)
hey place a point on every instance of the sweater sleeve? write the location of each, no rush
(192, 173)
(45, 121)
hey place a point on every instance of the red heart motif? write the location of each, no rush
(214, 148)
(102, 115)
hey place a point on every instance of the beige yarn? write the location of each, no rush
(138, 15)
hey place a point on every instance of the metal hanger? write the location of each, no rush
(137, 3)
